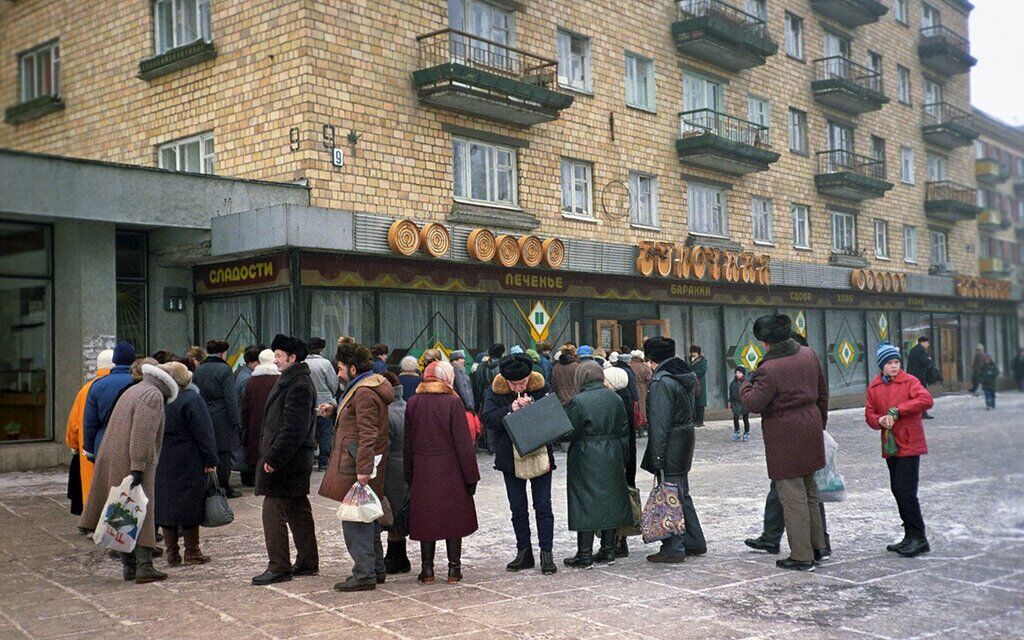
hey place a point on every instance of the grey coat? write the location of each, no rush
(324, 378)
(217, 385)
(464, 387)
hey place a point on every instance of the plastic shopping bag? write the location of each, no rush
(663, 513)
(361, 504)
(831, 485)
(123, 514)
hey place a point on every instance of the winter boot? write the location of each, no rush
(524, 560)
(396, 560)
(606, 555)
(193, 555)
(427, 550)
(454, 548)
(622, 548)
(144, 571)
(914, 547)
(171, 543)
(584, 558)
(547, 563)
(128, 566)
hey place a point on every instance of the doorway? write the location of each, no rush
(617, 335)
(948, 351)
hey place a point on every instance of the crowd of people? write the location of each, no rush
(181, 424)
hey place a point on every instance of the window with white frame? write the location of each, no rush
(903, 84)
(643, 199)
(180, 22)
(707, 210)
(639, 82)
(700, 92)
(881, 239)
(937, 167)
(907, 165)
(801, 226)
(764, 227)
(189, 155)
(484, 172)
(878, 148)
(757, 8)
(844, 232)
(899, 11)
(794, 36)
(759, 111)
(797, 131)
(930, 16)
(574, 61)
(577, 188)
(40, 72)
(940, 249)
(909, 243)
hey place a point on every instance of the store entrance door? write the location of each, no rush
(616, 335)
(949, 357)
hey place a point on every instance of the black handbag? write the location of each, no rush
(538, 424)
(217, 512)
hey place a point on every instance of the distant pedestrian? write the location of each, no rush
(325, 381)
(617, 380)
(102, 396)
(1018, 369)
(250, 360)
(976, 367)
(988, 377)
(895, 404)
(544, 349)
(736, 404)
(463, 385)
(408, 375)
(380, 357)
(196, 354)
(80, 474)
(485, 374)
(254, 409)
(537, 366)
(396, 489)
(921, 365)
(563, 374)
(216, 383)
(643, 380)
(699, 366)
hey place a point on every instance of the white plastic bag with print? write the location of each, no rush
(122, 517)
(361, 504)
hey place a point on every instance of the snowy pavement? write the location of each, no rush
(55, 583)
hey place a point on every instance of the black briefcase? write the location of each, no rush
(537, 425)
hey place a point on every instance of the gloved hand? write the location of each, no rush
(136, 478)
(471, 489)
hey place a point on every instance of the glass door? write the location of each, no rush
(608, 334)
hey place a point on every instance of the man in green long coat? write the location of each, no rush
(596, 480)
(699, 365)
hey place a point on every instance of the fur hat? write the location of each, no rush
(458, 354)
(289, 345)
(160, 375)
(659, 349)
(773, 329)
(124, 354)
(496, 351)
(626, 357)
(516, 366)
(178, 372)
(638, 354)
(105, 360)
(742, 370)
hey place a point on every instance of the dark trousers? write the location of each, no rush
(224, 467)
(540, 489)
(775, 523)
(698, 415)
(903, 479)
(362, 539)
(324, 440)
(736, 422)
(693, 538)
(280, 514)
(990, 397)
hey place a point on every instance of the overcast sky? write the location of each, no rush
(997, 41)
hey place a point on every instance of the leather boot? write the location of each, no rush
(622, 548)
(524, 560)
(454, 548)
(915, 547)
(192, 553)
(584, 558)
(396, 560)
(128, 566)
(144, 570)
(896, 546)
(171, 544)
(547, 563)
(606, 555)
(427, 550)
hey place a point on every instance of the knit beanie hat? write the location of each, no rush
(613, 357)
(516, 366)
(887, 352)
(533, 355)
(515, 349)
(105, 360)
(638, 354)
(266, 356)
(585, 351)
(625, 356)
(496, 351)
(409, 364)
(124, 354)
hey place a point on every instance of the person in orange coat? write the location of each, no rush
(74, 437)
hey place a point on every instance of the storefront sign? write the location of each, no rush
(879, 281)
(241, 274)
(532, 282)
(971, 287)
(697, 263)
(697, 291)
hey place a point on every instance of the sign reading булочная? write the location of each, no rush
(667, 259)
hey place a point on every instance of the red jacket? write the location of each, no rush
(906, 393)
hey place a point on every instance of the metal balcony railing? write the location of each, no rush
(945, 113)
(740, 19)
(701, 121)
(453, 46)
(945, 190)
(840, 160)
(840, 68)
(942, 34)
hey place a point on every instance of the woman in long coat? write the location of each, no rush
(189, 454)
(131, 446)
(440, 467)
(254, 404)
(596, 477)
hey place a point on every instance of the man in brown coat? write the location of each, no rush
(789, 390)
(361, 434)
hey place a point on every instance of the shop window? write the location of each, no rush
(333, 314)
(846, 352)
(412, 322)
(707, 334)
(513, 321)
(131, 289)
(246, 319)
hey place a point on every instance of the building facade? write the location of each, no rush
(517, 171)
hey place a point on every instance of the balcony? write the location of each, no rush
(462, 72)
(852, 13)
(990, 171)
(993, 267)
(947, 127)
(944, 51)
(843, 84)
(950, 202)
(847, 175)
(724, 143)
(993, 219)
(715, 32)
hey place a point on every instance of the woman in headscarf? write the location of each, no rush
(440, 467)
(409, 376)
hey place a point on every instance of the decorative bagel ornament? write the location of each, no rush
(506, 251)
(480, 245)
(435, 240)
(404, 237)
(531, 252)
(554, 252)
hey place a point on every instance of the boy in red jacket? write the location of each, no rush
(896, 400)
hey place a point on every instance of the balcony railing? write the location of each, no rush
(945, 113)
(840, 68)
(716, 8)
(842, 161)
(947, 191)
(704, 121)
(945, 35)
(451, 46)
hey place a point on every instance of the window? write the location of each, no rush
(484, 172)
(759, 111)
(701, 93)
(937, 166)
(574, 61)
(757, 8)
(929, 16)
(903, 84)
(797, 131)
(764, 231)
(899, 11)
(707, 207)
(878, 148)
(40, 72)
(131, 291)
(180, 22)
(639, 82)
(874, 61)
(836, 45)
(794, 36)
(577, 188)
(643, 199)
(909, 243)
(980, 152)
(844, 232)
(801, 226)
(940, 249)
(191, 155)
(907, 165)
(932, 98)
(881, 239)
(840, 137)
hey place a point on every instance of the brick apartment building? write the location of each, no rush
(469, 171)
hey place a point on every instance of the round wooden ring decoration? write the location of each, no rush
(645, 264)
(869, 280)
(700, 262)
(506, 251)
(887, 281)
(904, 283)
(880, 282)
(404, 237)
(554, 252)
(435, 240)
(530, 251)
(480, 245)
(857, 279)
